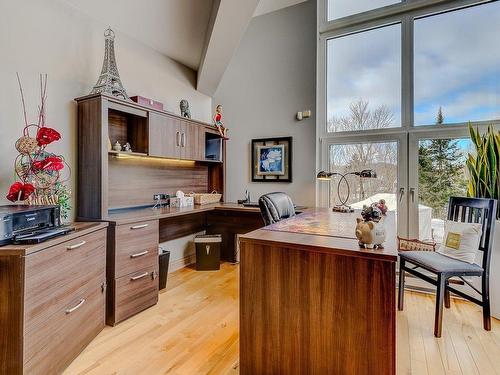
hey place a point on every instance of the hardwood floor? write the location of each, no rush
(194, 330)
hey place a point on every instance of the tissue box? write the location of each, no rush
(176, 202)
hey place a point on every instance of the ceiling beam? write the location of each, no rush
(228, 22)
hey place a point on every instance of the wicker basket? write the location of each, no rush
(405, 244)
(206, 198)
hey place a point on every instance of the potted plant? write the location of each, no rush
(484, 182)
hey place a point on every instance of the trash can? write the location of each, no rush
(164, 258)
(208, 252)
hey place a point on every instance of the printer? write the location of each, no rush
(29, 224)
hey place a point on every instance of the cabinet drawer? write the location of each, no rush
(136, 247)
(54, 275)
(52, 346)
(135, 292)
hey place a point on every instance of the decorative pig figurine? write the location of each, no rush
(370, 234)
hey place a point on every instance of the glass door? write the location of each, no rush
(387, 156)
(437, 172)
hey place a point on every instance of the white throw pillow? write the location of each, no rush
(461, 240)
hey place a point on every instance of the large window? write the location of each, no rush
(398, 84)
(364, 80)
(457, 65)
(343, 8)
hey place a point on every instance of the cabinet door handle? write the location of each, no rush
(183, 139)
(69, 311)
(138, 277)
(137, 255)
(177, 139)
(76, 246)
(140, 226)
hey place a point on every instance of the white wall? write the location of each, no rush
(49, 36)
(270, 78)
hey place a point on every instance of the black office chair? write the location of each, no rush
(276, 206)
(470, 210)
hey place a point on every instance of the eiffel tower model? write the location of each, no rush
(109, 81)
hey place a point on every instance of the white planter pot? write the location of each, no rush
(495, 273)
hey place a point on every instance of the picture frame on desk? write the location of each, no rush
(272, 159)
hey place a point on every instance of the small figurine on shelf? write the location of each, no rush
(371, 213)
(117, 146)
(184, 105)
(127, 147)
(218, 122)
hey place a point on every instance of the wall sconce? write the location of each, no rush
(304, 114)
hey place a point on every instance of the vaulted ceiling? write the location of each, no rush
(201, 34)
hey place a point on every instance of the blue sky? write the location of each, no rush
(457, 67)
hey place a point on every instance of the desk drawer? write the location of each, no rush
(136, 247)
(135, 292)
(54, 275)
(52, 346)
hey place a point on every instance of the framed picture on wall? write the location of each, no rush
(272, 159)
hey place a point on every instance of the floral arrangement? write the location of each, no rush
(40, 174)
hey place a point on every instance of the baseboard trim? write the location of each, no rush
(177, 264)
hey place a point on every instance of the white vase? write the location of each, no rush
(495, 273)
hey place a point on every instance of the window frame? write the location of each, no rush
(404, 13)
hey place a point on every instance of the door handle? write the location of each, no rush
(76, 246)
(142, 275)
(183, 140)
(140, 226)
(412, 195)
(137, 255)
(177, 138)
(401, 193)
(69, 311)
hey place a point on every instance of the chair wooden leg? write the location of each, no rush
(401, 290)
(447, 301)
(438, 318)
(486, 303)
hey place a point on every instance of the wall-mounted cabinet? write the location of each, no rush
(169, 153)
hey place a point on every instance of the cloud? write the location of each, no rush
(456, 66)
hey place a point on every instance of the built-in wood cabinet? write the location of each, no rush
(169, 153)
(52, 298)
(164, 136)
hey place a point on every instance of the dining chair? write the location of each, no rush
(460, 209)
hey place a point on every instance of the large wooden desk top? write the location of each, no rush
(321, 230)
(132, 215)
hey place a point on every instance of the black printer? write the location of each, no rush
(29, 224)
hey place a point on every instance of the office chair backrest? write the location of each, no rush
(276, 206)
(476, 210)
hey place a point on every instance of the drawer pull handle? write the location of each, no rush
(76, 246)
(134, 278)
(139, 254)
(140, 226)
(69, 311)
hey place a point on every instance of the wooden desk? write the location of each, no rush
(133, 237)
(316, 304)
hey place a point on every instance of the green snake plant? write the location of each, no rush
(484, 165)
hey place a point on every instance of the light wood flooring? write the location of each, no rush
(194, 330)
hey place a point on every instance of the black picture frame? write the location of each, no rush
(287, 146)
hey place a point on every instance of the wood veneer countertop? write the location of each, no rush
(132, 215)
(342, 245)
(80, 230)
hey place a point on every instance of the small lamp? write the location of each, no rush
(327, 176)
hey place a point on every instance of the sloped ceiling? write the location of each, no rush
(175, 28)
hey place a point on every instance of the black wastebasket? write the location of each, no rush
(208, 252)
(164, 259)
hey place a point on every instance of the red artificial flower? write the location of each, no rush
(50, 163)
(46, 135)
(21, 191)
